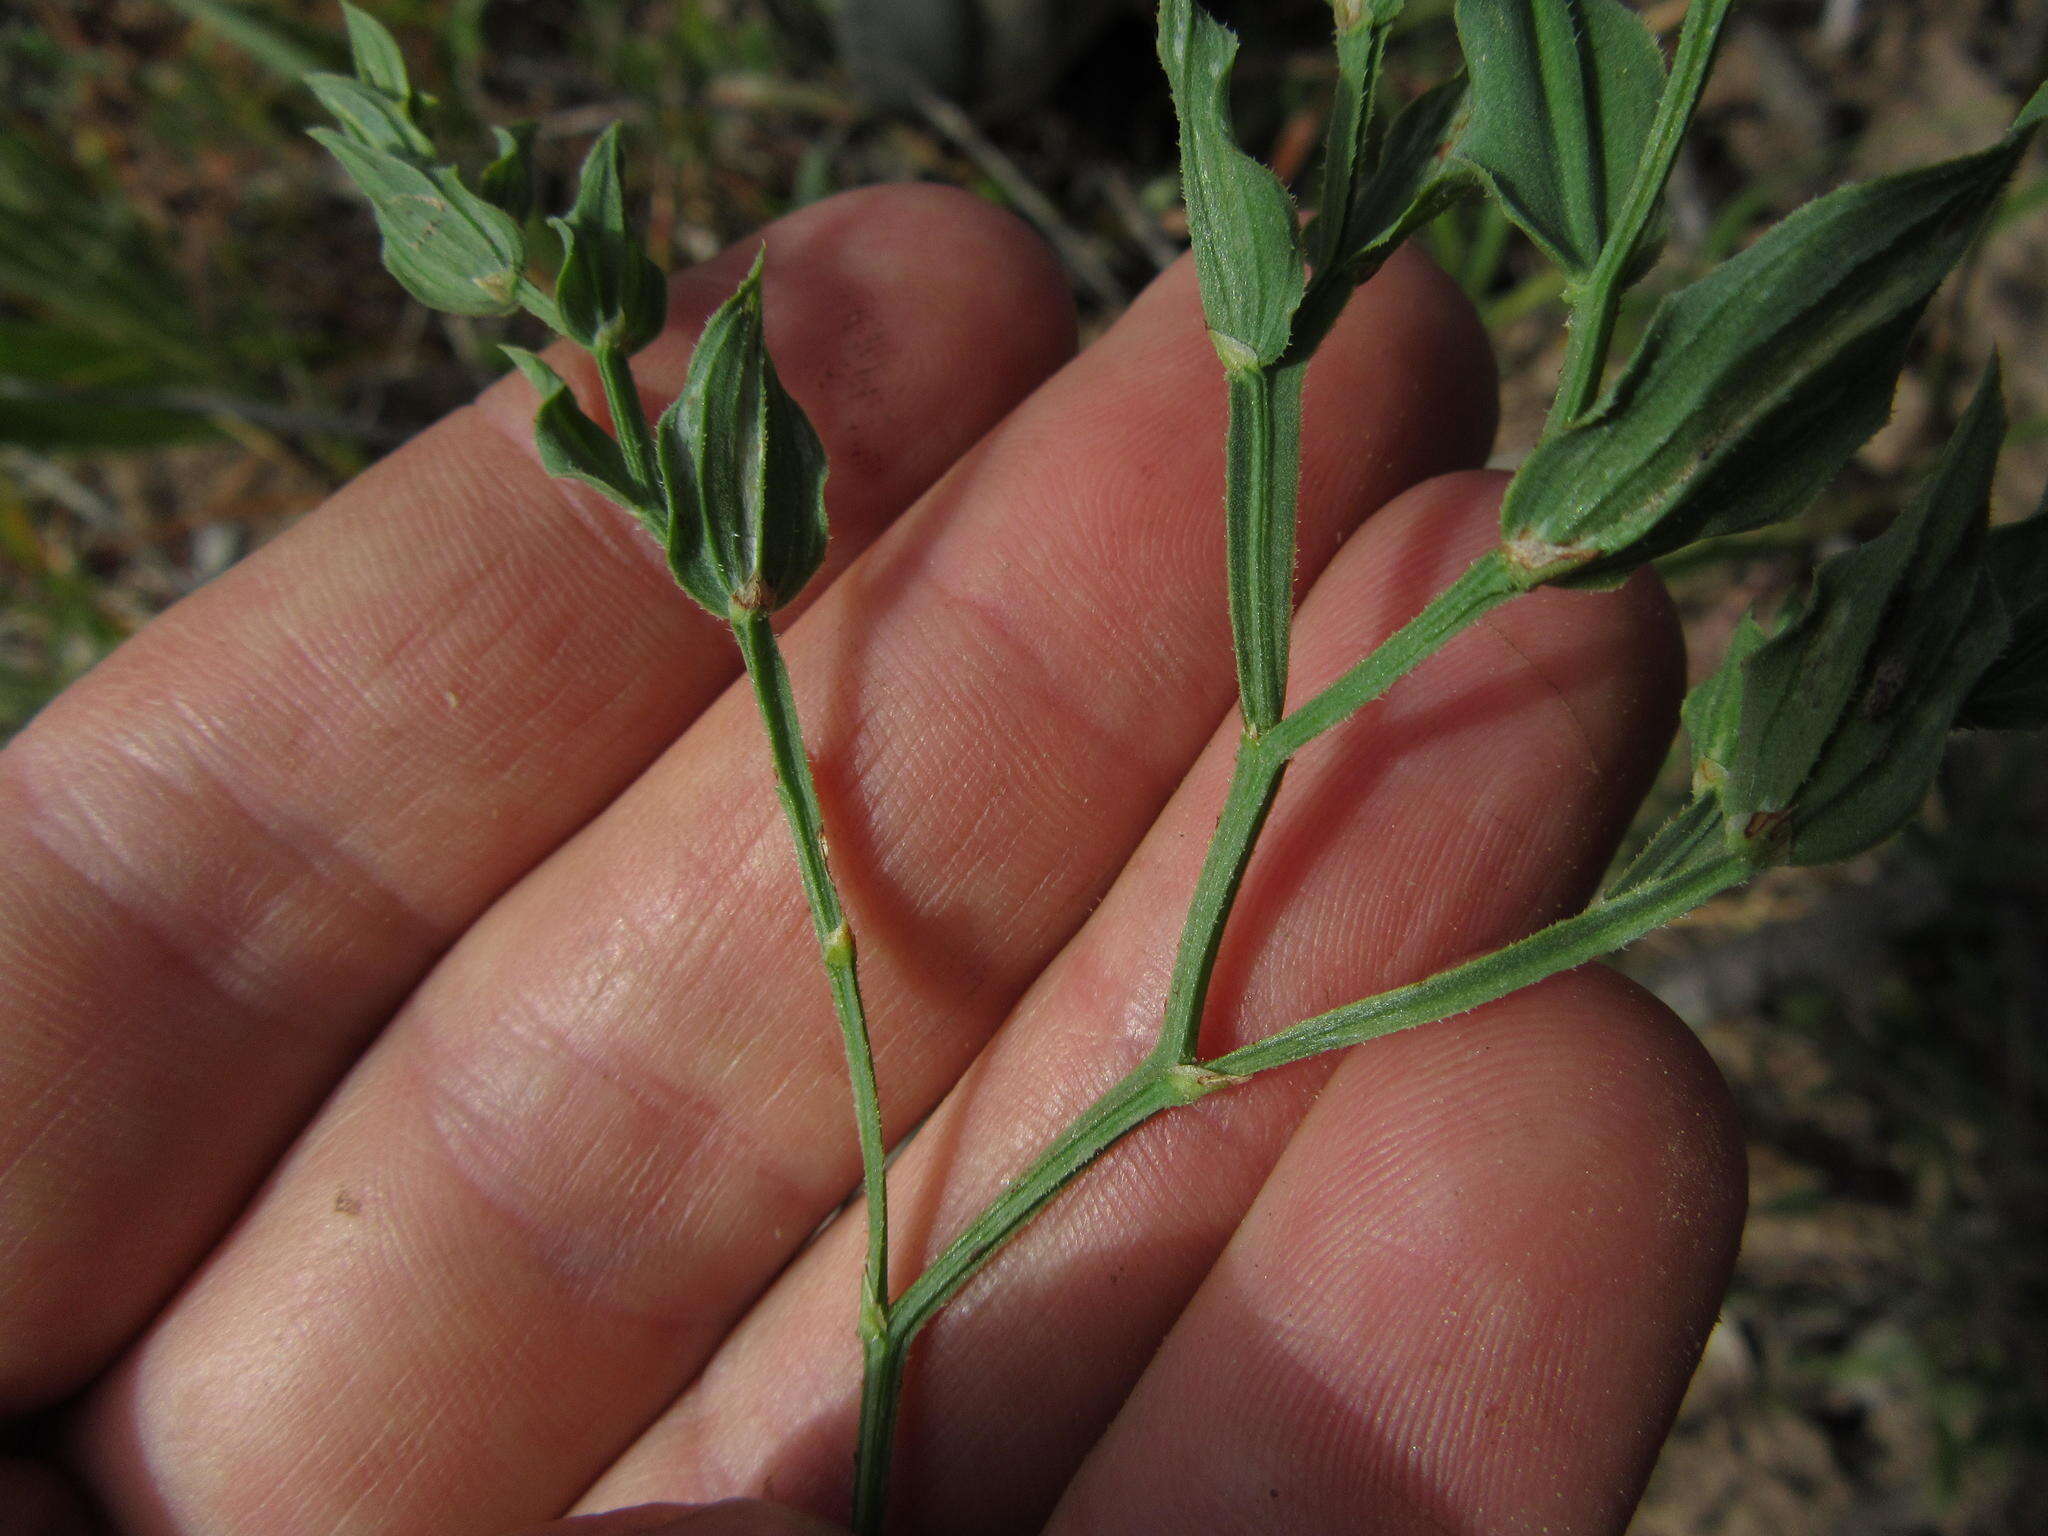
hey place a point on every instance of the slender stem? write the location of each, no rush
(1263, 452)
(629, 416)
(1253, 784)
(1486, 584)
(1127, 1104)
(1605, 926)
(1598, 304)
(799, 794)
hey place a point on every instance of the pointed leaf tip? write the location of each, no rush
(609, 293)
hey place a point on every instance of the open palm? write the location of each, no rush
(419, 1101)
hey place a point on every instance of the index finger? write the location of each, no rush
(232, 850)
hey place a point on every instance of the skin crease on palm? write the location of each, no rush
(418, 1092)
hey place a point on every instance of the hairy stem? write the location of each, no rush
(799, 795)
(1263, 454)
(1598, 304)
(1254, 783)
(1486, 584)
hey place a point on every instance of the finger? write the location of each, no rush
(1469, 1297)
(618, 1106)
(739, 1517)
(232, 849)
(1477, 800)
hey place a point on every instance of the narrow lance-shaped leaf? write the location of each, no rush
(1248, 253)
(1563, 96)
(1753, 386)
(609, 293)
(743, 469)
(1844, 712)
(2012, 695)
(577, 448)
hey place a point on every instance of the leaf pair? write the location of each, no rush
(1822, 739)
(740, 504)
(453, 249)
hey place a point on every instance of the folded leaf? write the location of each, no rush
(609, 293)
(1248, 253)
(577, 448)
(743, 470)
(1844, 712)
(1563, 96)
(1755, 385)
(452, 250)
(378, 61)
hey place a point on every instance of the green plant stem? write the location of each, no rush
(1597, 304)
(1263, 456)
(1254, 782)
(1601, 929)
(799, 794)
(629, 416)
(1485, 585)
(1132, 1101)
(1156, 1086)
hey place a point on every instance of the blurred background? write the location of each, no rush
(197, 342)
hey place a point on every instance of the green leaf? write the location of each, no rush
(609, 293)
(379, 63)
(2012, 695)
(1713, 710)
(575, 447)
(370, 117)
(1408, 185)
(1844, 712)
(743, 469)
(1563, 96)
(1248, 253)
(1755, 385)
(451, 249)
(507, 182)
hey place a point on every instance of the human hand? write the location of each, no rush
(419, 1086)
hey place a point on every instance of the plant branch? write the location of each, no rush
(1598, 303)
(1601, 929)
(1254, 783)
(1126, 1105)
(1486, 584)
(1156, 1086)
(629, 417)
(799, 795)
